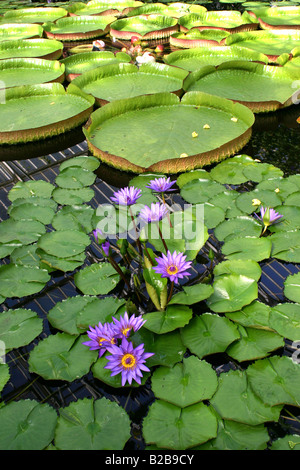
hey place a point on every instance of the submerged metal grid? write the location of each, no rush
(22, 383)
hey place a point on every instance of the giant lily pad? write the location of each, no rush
(102, 7)
(144, 27)
(195, 38)
(277, 18)
(30, 71)
(39, 48)
(176, 10)
(47, 109)
(77, 64)
(228, 20)
(260, 87)
(11, 31)
(77, 28)
(117, 81)
(34, 15)
(271, 43)
(187, 134)
(193, 59)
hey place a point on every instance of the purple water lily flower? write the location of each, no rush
(128, 361)
(126, 196)
(98, 235)
(161, 185)
(172, 266)
(106, 248)
(101, 336)
(124, 326)
(154, 213)
(268, 217)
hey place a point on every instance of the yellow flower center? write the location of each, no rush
(125, 331)
(100, 341)
(172, 269)
(128, 361)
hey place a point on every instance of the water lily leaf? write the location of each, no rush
(72, 197)
(285, 319)
(289, 442)
(200, 190)
(230, 172)
(238, 227)
(258, 172)
(75, 177)
(254, 344)
(99, 310)
(29, 211)
(290, 220)
(293, 199)
(213, 215)
(238, 436)
(276, 380)
(96, 279)
(114, 381)
(19, 327)
(192, 294)
(77, 217)
(282, 186)
(4, 375)
(112, 220)
(268, 198)
(232, 292)
(225, 200)
(90, 424)
(26, 425)
(234, 400)
(63, 315)
(186, 383)
(169, 426)
(168, 349)
(184, 178)
(62, 357)
(86, 162)
(64, 243)
(36, 200)
(53, 263)
(245, 248)
(25, 255)
(286, 246)
(248, 268)
(7, 248)
(175, 316)
(20, 231)
(26, 189)
(292, 287)
(255, 315)
(20, 281)
(208, 334)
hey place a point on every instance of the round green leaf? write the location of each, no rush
(232, 292)
(237, 228)
(25, 255)
(28, 211)
(267, 198)
(208, 334)
(245, 248)
(200, 190)
(83, 161)
(286, 246)
(175, 316)
(289, 221)
(248, 268)
(230, 172)
(213, 215)
(26, 425)
(258, 172)
(72, 197)
(289, 442)
(282, 186)
(285, 319)
(276, 380)
(19, 327)
(75, 177)
(98, 278)
(64, 243)
(254, 344)
(26, 189)
(255, 315)
(171, 427)
(21, 231)
(4, 375)
(90, 424)
(185, 383)
(234, 400)
(98, 310)
(20, 281)
(53, 263)
(192, 294)
(62, 357)
(77, 217)
(292, 287)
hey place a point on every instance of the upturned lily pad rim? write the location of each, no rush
(112, 8)
(189, 39)
(100, 25)
(273, 72)
(176, 165)
(162, 8)
(30, 30)
(53, 48)
(111, 70)
(165, 27)
(53, 13)
(190, 21)
(264, 14)
(55, 128)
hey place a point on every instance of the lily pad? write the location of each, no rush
(238, 227)
(64, 314)
(99, 310)
(47, 110)
(102, 7)
(20, 281)
(246, 201)
(53, 263)
(83, 161)
(254, 315)
(76, 217)
(246, 248)
(277, 18)
(21, 232)
(19, 327)
(89, 424)
(275, 380)
(122, 80)
(292, 287)
(209, 334)
(31, 189)
(185, 383)
(286, 246)
(284, 318)
(9, 31)
(243, 406)
(248, 268)
(227, 20)
(71, 197)
(29, 211)
(64, 244)
(61, 357)
(192, 294)
(98, 278)
(169, 426)
(260, 87)
(144, 27)
(25, 256)
(195, 111)
(38, 48)
(175, 316)
(4, 375)
(77, 28)
(26, 425)
(232, 292)
(75, 178)
(195, 38)
(34, 15)
(175, 10)
(290, 220)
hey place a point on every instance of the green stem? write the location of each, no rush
(171, 292)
